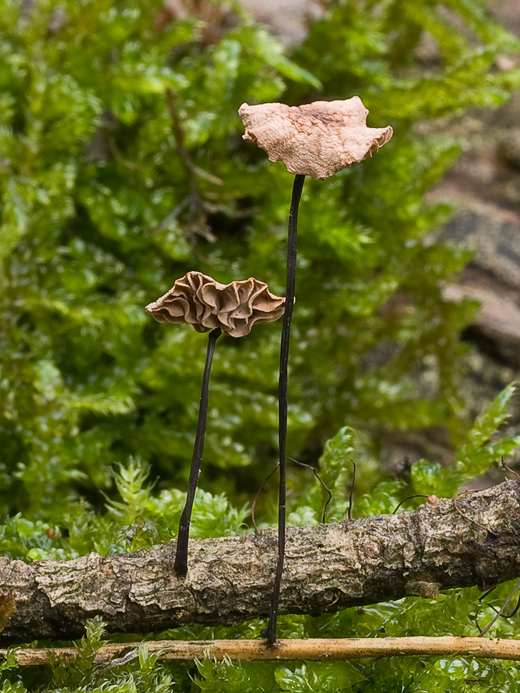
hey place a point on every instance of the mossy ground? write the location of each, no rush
(98, 218)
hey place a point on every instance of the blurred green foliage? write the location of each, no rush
(100, 214)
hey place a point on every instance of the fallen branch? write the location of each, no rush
(328, 567)
(255, 650)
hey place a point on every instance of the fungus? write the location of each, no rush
(211, 307)
(318, 140)
(207, 305)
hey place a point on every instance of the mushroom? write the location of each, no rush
(207, 305)
(318, 140)
(211, 307)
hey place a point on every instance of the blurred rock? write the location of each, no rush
(289, 20)
(509, 149)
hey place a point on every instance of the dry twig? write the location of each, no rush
(284, 650)
(329, 567)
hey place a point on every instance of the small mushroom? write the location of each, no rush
(317, 139)
(215, 308)
(207, 305)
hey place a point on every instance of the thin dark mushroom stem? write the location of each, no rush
(415, 495)
(255, 501)
(351, 492)
(324, 485)
(265, 481)
(292, 244)
(502, 609)
(181, 555)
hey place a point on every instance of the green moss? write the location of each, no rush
(98, 404)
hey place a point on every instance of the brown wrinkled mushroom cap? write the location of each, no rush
(206, 304)
(317, 139)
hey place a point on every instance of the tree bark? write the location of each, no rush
(473, 541)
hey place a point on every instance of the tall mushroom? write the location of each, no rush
(215, 308)
(317, 140)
